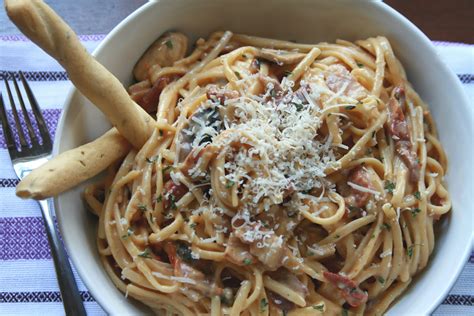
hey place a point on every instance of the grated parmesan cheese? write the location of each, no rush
(173, 278)
(362, 189)
(283, 151)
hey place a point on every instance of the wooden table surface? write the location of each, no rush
(442, 20)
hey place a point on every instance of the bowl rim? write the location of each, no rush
(89, 281)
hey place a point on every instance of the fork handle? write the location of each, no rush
(72, 300)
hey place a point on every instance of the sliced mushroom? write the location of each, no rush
(167, 49)
(279, 56)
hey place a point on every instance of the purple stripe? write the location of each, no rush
(39, 297)
(22, 38)
(53, 297)
(23, 238)
(36, 75)
(8, 183)
(466, 78)
(51, 116)
(465, 300)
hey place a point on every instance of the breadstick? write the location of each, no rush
(44, 27)
(71, 167)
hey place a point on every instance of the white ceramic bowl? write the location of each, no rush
(308, 21)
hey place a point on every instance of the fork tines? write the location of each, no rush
(35, 143)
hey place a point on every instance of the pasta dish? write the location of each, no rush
(280, 179)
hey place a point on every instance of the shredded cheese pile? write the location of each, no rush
(280, 151)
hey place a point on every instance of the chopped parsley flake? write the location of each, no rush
(381, 280)
(151, 160)
(360, 65)
(169, 44)
(287, 73)
(386, 226)
(141, 207)
(184, 252)
(355, 209)
(229, 184)
(298, 106)
(415, 212)
(417, 195)
(167, 168)
(319, 307)
(238, 75)
(350, 107)
(145, 254)
(172, 200)
(128, 234)
(247, 261)
(410, 251)
(389, 186)
(206, 138)
(263, 304)
(159, 198)
(193, 225)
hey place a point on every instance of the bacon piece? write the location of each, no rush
(356, 198)
(280, 302)
(353, 295)
(207, 153)
(221, 95)
(149, 100)
(238, 252)
(398, 129)
(172, 192)
(301, 95)
(264, 244)
(398, 126)
(338, 78)
(408, 157)
(276, 92)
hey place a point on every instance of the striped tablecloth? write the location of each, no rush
(27, 279)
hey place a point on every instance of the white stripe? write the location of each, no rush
(13, 206)
(30, 57)
(50, 309)
(49, 94)
(6, 168)
(450, 310)
(459, 58)
(31, 276)
(464, 284)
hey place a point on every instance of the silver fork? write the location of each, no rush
(26, 159)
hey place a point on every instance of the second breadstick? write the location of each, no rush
(74, 166)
